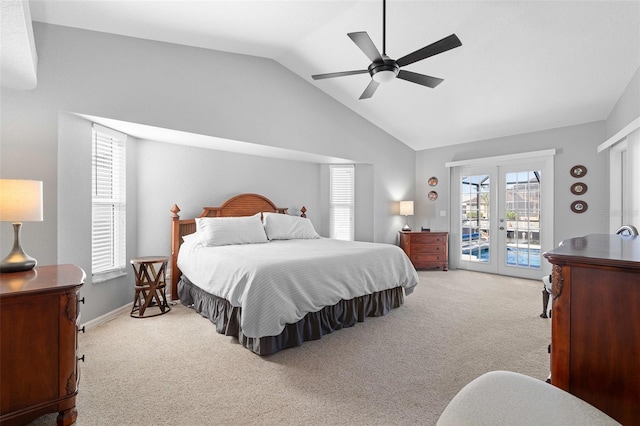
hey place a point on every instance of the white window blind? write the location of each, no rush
(342, 195)
(108, 186)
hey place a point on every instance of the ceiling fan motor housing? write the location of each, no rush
(384, 71)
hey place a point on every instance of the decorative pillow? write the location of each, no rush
(285, 227)
(191, 237)
(221, 231)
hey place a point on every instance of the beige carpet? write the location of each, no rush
(399, 369)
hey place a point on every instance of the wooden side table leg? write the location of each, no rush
(147, 299)
(165, 303)
(137, 300)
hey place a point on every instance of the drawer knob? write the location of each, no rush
(81, 300)
(81, 358)
(81, 329)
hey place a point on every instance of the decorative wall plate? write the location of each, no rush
(433, 195)
(578, 188)
(579, 206)
(578, 171)
(433, 181)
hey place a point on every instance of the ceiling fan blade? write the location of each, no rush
(422, 79)
(337, 74)
(370, 90)
(440, 46)
(363, 41)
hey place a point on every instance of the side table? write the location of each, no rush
(149, 286)
(426, 250)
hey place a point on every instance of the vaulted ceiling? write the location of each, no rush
(523, 65)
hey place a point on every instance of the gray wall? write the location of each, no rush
(74, 214)
(206, 92)
(627, 108)
(574, 145)
(203, 177)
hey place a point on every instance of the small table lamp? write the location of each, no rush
(20, 201)
(406, 209)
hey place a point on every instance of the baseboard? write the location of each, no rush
(107, 317)
(112, 315)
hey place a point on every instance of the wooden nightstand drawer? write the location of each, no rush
(427, 248)
(427, 258)
(428, 238)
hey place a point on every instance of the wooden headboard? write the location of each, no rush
(240, 205)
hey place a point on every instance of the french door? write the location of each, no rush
(503, 217)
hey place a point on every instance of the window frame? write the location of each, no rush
(109, 191)
(342, 178)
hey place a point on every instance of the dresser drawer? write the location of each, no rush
(428, 238)
(427, 258)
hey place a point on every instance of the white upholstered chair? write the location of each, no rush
(506, 398)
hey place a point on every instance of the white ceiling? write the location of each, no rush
(523, 65)
(19, 61)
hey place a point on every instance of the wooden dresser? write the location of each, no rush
(38, 320)
(595, 331)
(426, 250)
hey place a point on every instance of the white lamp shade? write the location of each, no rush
(406, 208)
(20, 200)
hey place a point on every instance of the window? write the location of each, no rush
(108, 187)
(342, 192)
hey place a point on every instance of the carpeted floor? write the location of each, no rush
(399, 369)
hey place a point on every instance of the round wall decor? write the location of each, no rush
(433, 195)
(433, 181)
(579, 206)
(578, 171)
(579, 188)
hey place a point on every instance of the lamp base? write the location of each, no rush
(17, 260)
(406, 228)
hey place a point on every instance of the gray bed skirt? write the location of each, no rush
(313, 326)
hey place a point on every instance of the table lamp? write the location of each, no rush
(406, 209)
(20, 201)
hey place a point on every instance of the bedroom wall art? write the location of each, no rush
(578, 188)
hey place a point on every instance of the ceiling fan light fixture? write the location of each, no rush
(385, 72)
(384, 76)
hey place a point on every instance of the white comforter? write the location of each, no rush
(279, 282)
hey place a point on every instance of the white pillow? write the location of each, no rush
(285, 227)
(221, 231)
(191, 237)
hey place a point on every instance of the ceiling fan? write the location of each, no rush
(384, 69)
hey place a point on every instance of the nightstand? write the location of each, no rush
(426, 250)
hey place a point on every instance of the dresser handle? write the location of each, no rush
(81, 329)
(81, 300)
(81, 358)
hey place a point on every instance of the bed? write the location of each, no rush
(268, 279)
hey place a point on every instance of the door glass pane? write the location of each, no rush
(474, 227)
(522, 196)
